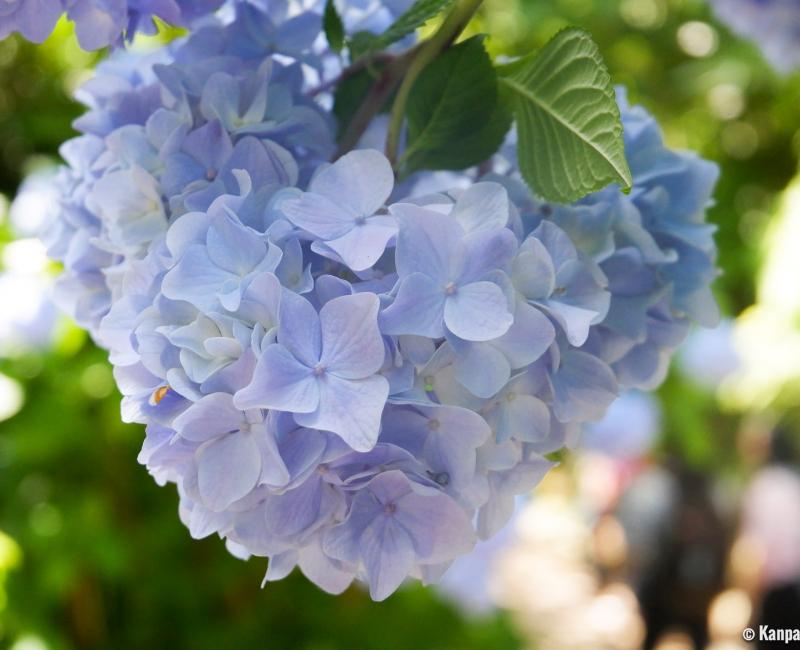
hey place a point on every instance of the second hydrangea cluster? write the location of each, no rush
(774, 25)
(337, 372)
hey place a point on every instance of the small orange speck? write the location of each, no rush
(159, 394)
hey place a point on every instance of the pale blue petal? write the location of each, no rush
(477, 312)
(557, 242)
(196, 279)
(482, 206)
(350, 409)
(299, 330)
(533, 272)
(364, 244)
(525, 418)
(487, 251)
(318, 215)
(418, 308)
(439, 528)
(280, 382)
(328, 574)
(295, 511)
(481, 368)
(388, 555)
(343, 541)
(528, 338)
(583, 388)
(233, 247)
(361, 180)
(213, 416)
(352, 346)
(428, 243)
(227, 470)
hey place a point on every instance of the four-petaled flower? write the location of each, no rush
(324, 368)
(341, 209)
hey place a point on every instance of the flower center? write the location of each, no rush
(434, 424)
(211, 174)
(159, 394)
(389, 509)
(450, 288)
(511, 397)
(442, 478)
(361, 220)
(319, 370)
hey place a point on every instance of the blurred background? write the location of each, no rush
(674, 526)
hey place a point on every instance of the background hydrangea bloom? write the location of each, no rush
(774, 25)
(98, 23)
(338, 373)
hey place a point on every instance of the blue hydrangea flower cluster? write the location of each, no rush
(99, 23)
(774, 25)
(653, 246)
(103, 23)
(339, 373)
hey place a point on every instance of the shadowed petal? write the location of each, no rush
(524, 418)
(212, 416)
(319, 215)
(227, 470)
(418, 308)
(533, 271)
(280, 382)
(388, 555)
(482, 368)
(299, 329)
(583, 388)
(438, 526)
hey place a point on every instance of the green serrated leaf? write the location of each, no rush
(334, 28)
(568, 122)
(415, 17)
(454, 117)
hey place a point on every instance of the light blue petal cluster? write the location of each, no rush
(99, 23)
(653, 248)
(340, 374)
(773, 25)
(289, 26)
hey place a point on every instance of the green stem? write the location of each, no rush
(448, 32)
(378, 95)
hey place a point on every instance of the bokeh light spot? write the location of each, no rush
(697, 38)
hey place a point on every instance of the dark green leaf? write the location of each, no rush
(360, 44)
(334, 29)
(570, 134)
(455, 120)
(349, 95)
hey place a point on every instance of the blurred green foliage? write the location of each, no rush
(92, 552)
(107, 564)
